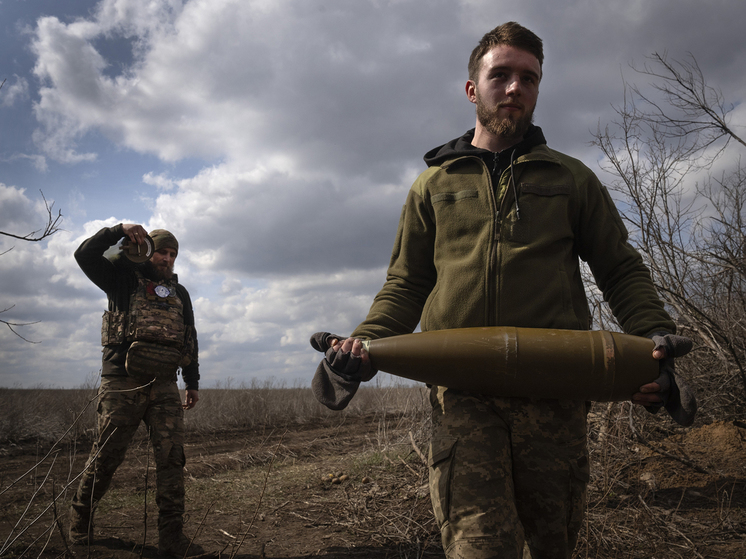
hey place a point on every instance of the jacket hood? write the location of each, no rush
(461, 146)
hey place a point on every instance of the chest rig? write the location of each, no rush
(156, 314)
(154, 327)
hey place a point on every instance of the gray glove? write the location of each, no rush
(678, 400)
(338, 376)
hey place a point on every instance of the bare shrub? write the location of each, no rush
(687, 224)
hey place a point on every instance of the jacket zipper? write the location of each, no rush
(493, 254)
(494, 259)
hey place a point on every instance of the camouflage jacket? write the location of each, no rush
(117, 277)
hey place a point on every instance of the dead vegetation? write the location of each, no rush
(354, 483)
(271, 473)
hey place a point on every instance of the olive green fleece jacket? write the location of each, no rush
(463, 258)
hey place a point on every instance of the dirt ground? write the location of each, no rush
(358, 488)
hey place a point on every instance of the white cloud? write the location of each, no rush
(10, 93)
(161, 182)
(277, 140)
(233, 80)
(269, 220)
(264, 330)
(138, 17)
(38, 161)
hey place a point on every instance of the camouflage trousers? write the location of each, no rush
(507, 471)
(122, 405)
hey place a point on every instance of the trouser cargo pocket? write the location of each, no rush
(440, 460)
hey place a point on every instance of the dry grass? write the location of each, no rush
(653, 492)
(44, 415)
(47, 415)
(54, 425)
(270, 403)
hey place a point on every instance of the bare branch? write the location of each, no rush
(51, 227)
(692, 236)
(695, 110)
(10, 325)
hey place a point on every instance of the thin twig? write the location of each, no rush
(57, 521)
(50, 531)
(11, 324)
(407, 465)
(52, 226)
(274, 510)
(145, 505)
(35, 520)
(416, 448)
(261, 496)
(39, 537)
(98, 395)
(199, 527)
(670, 526)
(89, 524)
(645, 443)
(28, 505)
(48, 453)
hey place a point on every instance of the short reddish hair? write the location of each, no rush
(511, 34)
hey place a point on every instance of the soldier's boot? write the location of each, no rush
(173, 543)
(81, 525)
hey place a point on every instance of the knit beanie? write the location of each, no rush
(164, 239)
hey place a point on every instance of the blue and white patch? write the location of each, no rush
(162, 291)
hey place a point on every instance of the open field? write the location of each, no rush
(259, 461)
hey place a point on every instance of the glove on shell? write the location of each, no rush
(338, 376)
(678, 400)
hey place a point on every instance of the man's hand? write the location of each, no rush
(135, 233)
(648, 394)
(350, 345)
(354, 348)
(668, 390)
(339, 374)
(344, 357)
(191, 397)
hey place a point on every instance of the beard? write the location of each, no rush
(160, 272)
(509, 127)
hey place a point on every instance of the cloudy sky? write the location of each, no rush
(277, 139)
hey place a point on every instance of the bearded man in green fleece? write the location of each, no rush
(147, 335)
(492, 234)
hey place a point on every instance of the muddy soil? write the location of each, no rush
(359, 489)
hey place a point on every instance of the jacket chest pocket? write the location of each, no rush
(544, 213)
(460, 219)
(459, 213)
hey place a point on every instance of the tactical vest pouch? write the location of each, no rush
(146, 361)
(189, 351)
(113, 327)
(156, 314)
